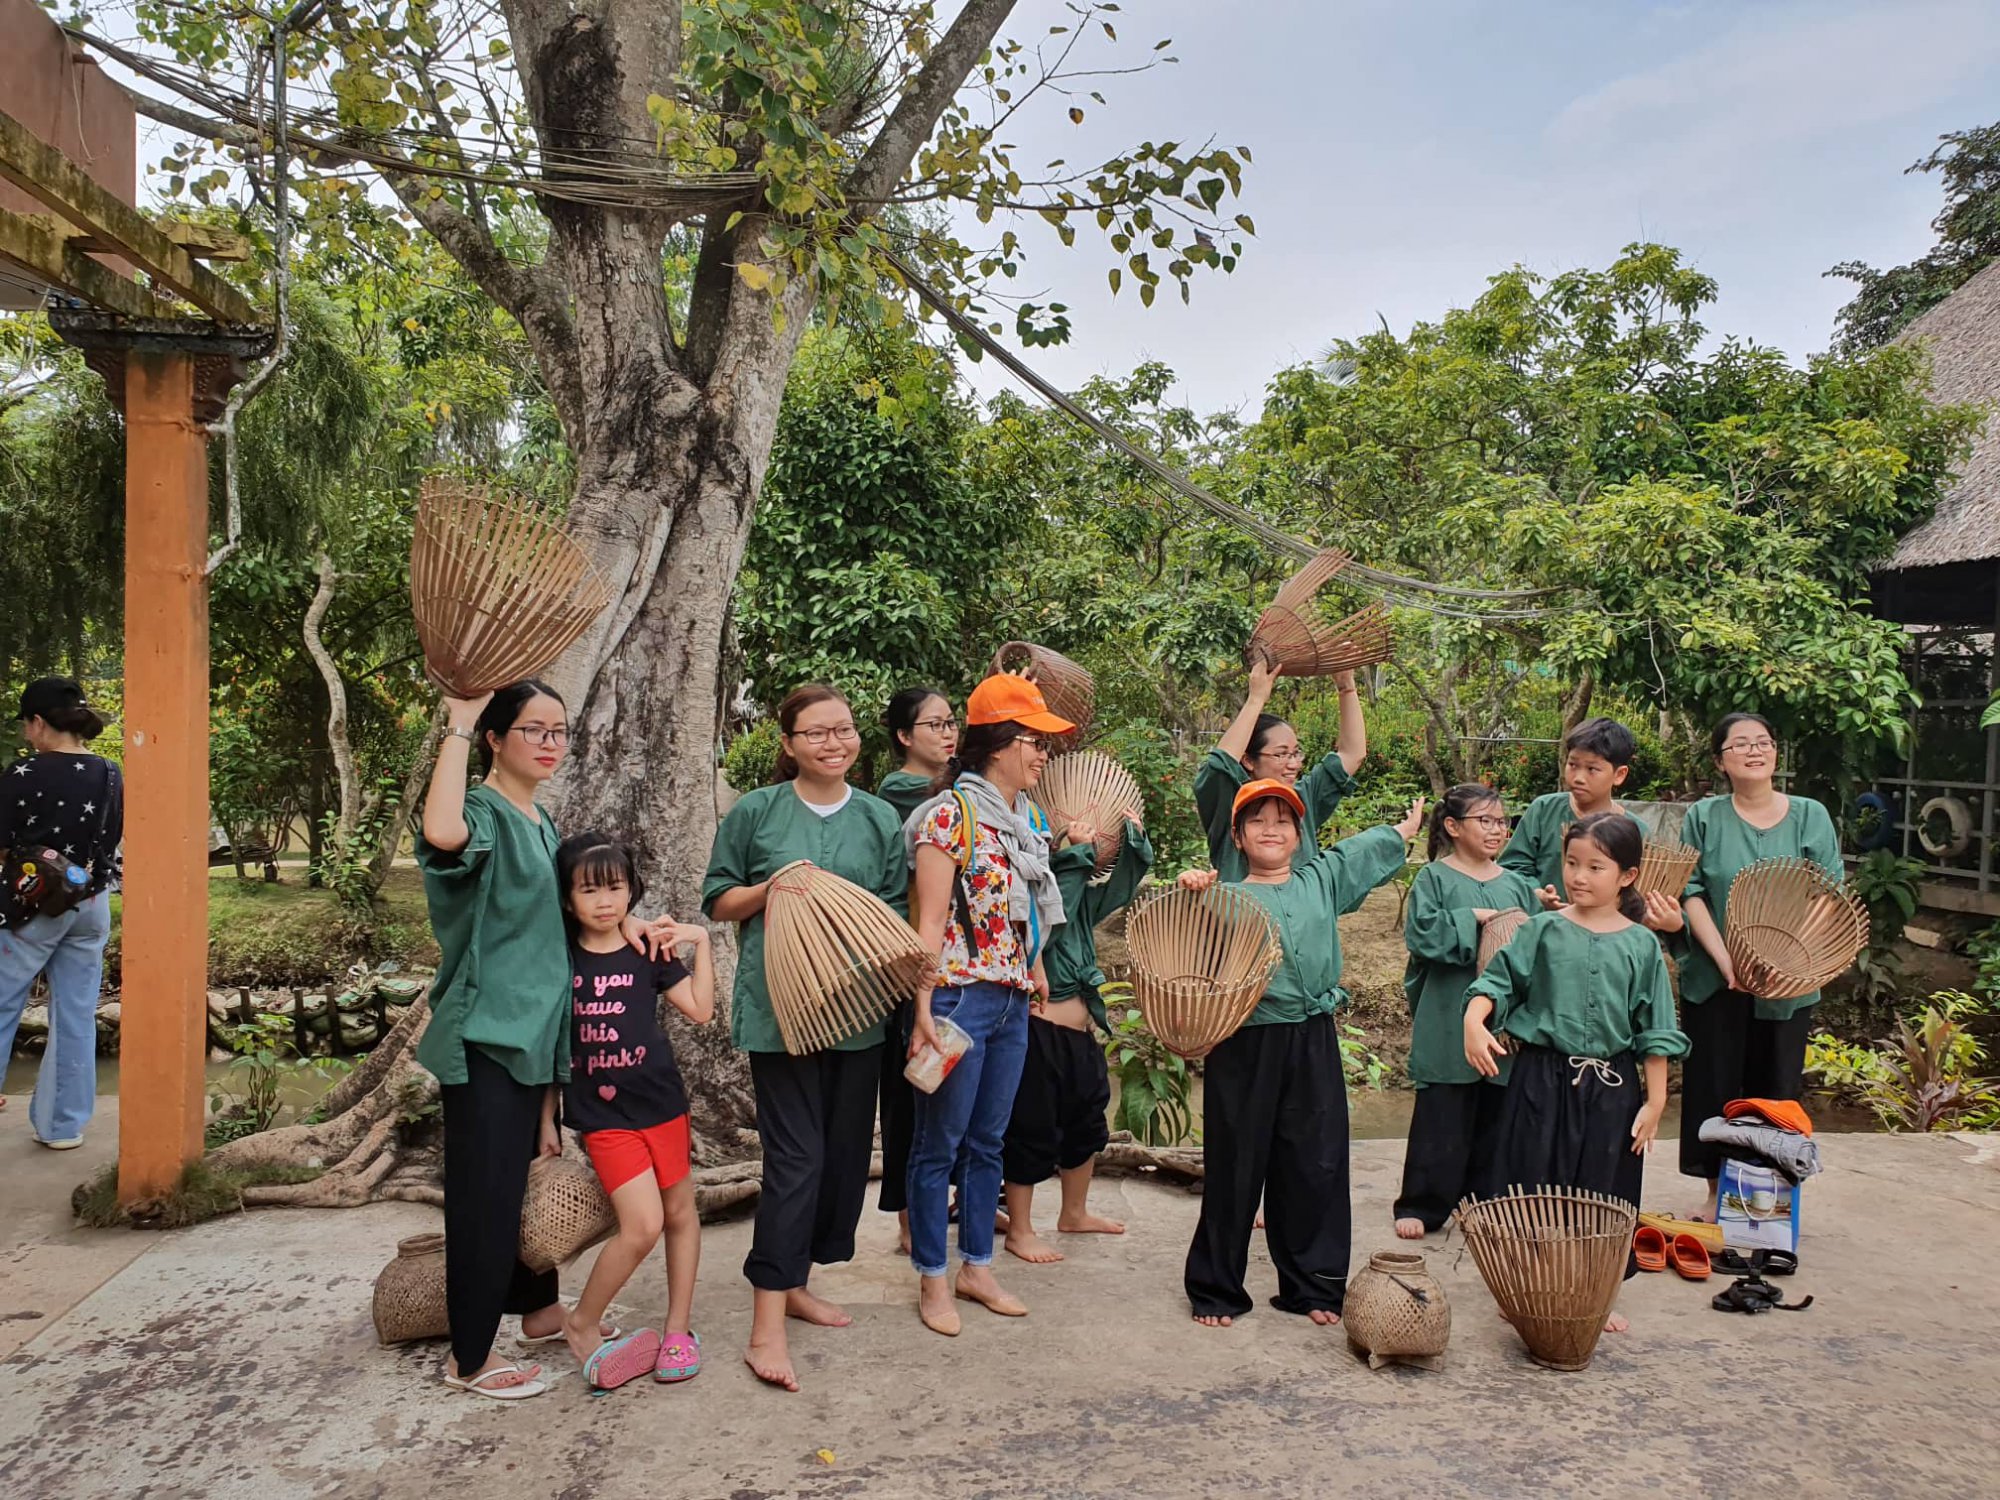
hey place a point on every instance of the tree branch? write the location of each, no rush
(336, 718)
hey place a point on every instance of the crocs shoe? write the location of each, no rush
(618, 1361)
(680, 1359)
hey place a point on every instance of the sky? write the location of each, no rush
(1405, 150)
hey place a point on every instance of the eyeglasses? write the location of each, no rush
(937, 726)
(1031, 741)
(1486, 820)
(542, 734)
(1737, 747)
(1295, 753)
(845, 733)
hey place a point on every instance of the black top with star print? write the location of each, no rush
(60, 801)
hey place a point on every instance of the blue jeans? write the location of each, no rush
(70, 950)
(964, 1124)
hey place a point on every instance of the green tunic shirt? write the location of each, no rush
(768, 829)
(1727, 844)
(1306, 982)
(1536, 849)
(1582, 993)
(905, 792)
(1218, 779)
(1070, 956)
(1443, 940)
(503, 959)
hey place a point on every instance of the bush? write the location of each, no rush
(752, 757)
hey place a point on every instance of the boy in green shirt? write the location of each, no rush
(1597, 757)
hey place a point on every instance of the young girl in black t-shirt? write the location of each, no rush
(625, 1098)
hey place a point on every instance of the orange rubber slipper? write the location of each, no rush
(1649, 1248)
(1691, 1257)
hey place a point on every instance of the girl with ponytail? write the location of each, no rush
(1584, 994)
(1453, 897)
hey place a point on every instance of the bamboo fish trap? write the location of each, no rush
(498, 591)
(1553, 1259)
(1496, 932)
(1089, 787)
(1069, 690)
(1200, 961)
(836, 958)
(563, 1213)
(1791, 928)
(1666, 868)
(1292, 636)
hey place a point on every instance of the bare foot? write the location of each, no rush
(1616, 1323)
(1213, 1322)
(547, 1322)
(519, 1375)
(1001, 1223)
(1031, 1247)
(800, 1303)
(583, 1340)
(1409, 1229)
(771, 1362)
(903, 1231)
(977, 1284)
(1260, 1221)
(1089, 1224)
(1324, 1318)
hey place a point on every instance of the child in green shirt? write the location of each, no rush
(1584, 994)
(1597, 757)
(1453, 897)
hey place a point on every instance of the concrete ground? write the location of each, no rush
(237, 1360)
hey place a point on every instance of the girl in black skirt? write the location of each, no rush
(1584, 994)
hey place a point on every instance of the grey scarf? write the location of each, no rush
(1033, 897)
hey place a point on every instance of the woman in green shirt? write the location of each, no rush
(1262, 746)
(1742, 1047)
(1274, 1096)
(1451, 1130)
(816, 1113)
(925, 737)
(498, 1035)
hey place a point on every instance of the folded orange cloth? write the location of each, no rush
(1786, 1114)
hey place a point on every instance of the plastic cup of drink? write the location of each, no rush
(931, 1067)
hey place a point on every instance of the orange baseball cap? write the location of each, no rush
(1256, 791)
(1005, 698)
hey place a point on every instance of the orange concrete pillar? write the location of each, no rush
(164, 1026)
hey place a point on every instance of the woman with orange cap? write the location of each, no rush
(985, 900)
(1274, 1103)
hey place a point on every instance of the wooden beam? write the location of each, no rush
(201, 241)
(45, 174)
(48, 252)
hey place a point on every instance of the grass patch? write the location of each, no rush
(285, 932)
(203, 1194)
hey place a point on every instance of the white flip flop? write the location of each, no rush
(477, 1385)
(527, 1342)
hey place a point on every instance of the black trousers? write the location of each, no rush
(1733, 1055)
(1450, 1154)
(1569, 1127)
(492, 1127)
(1274, 1126)
(815, 1117)
(1058, 1122)
(899, 1112)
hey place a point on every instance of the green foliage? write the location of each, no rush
(1363, 1067)
(267, 1065)
(752, 757)
(1968, 231)
(1154, 1091)
(1926, 1076)
(203, 1193)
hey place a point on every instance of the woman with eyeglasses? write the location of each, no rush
(498, 1036)
(985, 900)
(924, 735)
(1741, 1047)
(816, 1113)
(1260, 746)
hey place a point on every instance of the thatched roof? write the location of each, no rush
(1963, 332)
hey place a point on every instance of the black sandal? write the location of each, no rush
(1753, 1294)
(1759, 1263)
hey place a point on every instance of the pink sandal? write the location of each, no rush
(680, 1359)
(618, 1361)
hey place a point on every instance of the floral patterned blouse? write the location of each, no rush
(996, 955)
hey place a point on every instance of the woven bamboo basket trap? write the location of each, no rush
(1791, 928)
(1200, 961)
(1554, 1259)
(1069, 690)
(1666, 868)
(499, 592)
(1292, 635)
(836, 958)
(1496, 932)
(564, 1212)
(409, 1293)
(1089, 787)
(1396, 1313)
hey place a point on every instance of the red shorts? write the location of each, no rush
(621, 1155)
